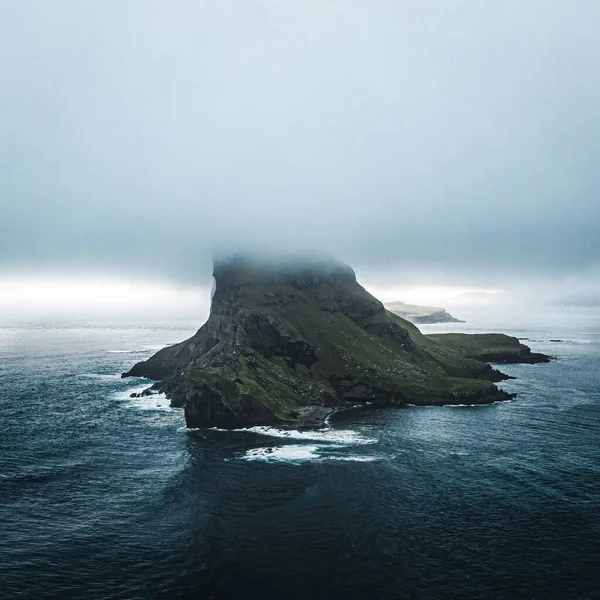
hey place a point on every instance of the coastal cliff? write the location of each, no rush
(293, 340)
(421, 315)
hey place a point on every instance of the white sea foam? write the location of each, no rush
(352, 458)
(296, 453)
(327, 436)
(100, 376)
(157, 402)
(126, 393)
(474, 405)
(328, 441)
(154, 402)
(288, 453)
(326, 445)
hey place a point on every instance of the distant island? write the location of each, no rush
(291, 341)
(421, 314)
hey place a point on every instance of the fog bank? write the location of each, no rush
(454, 140)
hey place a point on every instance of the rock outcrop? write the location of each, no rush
(294, 340)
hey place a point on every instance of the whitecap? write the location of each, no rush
(288, 453)
(474, 405)
(185, 429)
(158, 402)
(126, 393)
(352, 458)
(100, 376)
(153, 402)
(296, 453)
(327, 435)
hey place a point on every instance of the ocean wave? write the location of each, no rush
(295, 453)
(327, 435)
(113, 376)
(474, 405)
(283, 453)
(352, 458)
(153, 402)
(126, 393)
(320, 445)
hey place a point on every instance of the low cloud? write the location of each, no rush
(428, 141)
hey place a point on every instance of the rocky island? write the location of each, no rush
(291, 341)
(421, 315)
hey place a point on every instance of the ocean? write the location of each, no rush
(104, 496)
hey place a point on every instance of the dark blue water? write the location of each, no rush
(103, 496)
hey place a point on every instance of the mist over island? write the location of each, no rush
(425, 144)
(293, 339)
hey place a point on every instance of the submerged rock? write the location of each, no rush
(293, 340)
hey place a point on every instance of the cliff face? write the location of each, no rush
(294, 340)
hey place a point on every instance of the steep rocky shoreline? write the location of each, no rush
(289, 342)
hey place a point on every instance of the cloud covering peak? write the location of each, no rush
(144, 136)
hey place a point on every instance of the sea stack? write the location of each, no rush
(289, 341)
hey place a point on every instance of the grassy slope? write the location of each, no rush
(414, 309)
(349, 350)
(487, 347)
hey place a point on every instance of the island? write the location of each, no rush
(421, 315)
(290, 341)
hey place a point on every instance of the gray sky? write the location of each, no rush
(459, 140)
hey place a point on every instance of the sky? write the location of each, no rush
(425, 142)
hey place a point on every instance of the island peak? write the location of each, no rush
(292, 339)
